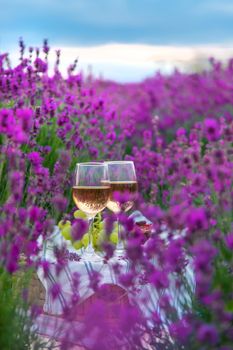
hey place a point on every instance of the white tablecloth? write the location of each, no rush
(64, 278)
(146, 297)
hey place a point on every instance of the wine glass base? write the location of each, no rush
(119, 254)
(91, 257)
(120, 250)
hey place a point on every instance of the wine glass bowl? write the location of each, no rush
(123, 180)
(129, 189)
(91, 199)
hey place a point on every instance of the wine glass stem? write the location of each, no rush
(120, 244)
(90, 248)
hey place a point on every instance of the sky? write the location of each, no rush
(88, 23)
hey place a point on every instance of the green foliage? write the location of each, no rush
(161, 201)
(223, 278)
(198, 201)
(204, 144)
(4, 185)
(16, 331)
(9, 104)
(48, 137)
(26, 182)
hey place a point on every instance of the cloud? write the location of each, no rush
(133, 62)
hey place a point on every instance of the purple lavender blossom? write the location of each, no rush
(208, 334)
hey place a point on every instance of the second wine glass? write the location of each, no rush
(91, 193)
(122, 176)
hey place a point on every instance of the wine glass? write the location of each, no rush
(91, 193)
(122, 176)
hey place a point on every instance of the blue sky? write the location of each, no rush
(93, 22)
(89, 24)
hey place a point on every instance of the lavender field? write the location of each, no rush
(178, 131)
